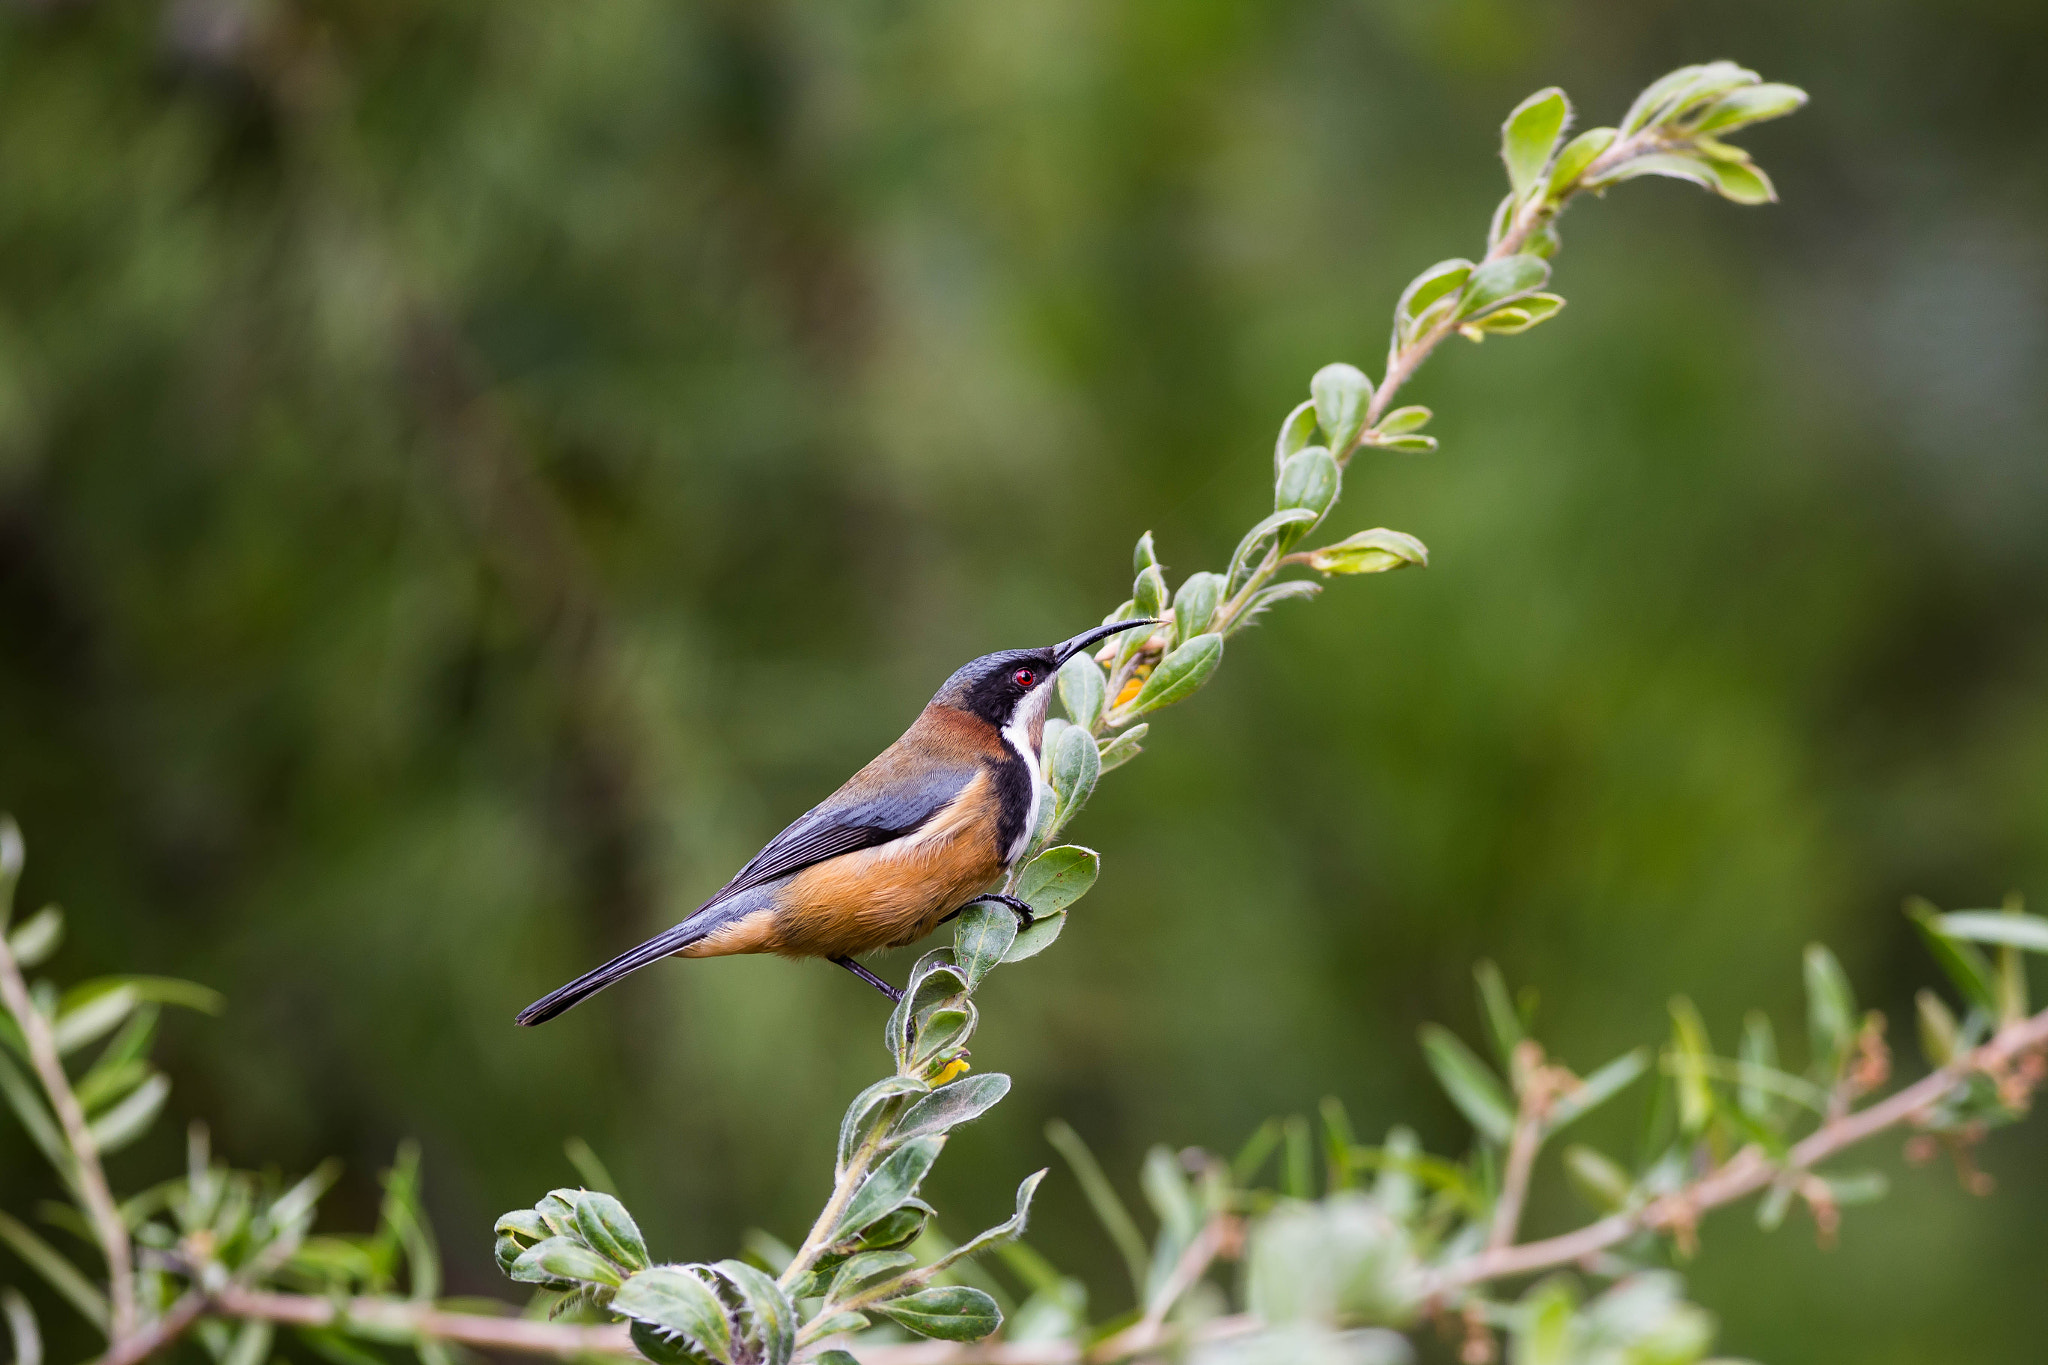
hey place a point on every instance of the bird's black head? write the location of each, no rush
(1016, 684)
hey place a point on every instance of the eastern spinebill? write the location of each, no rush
(910, 840)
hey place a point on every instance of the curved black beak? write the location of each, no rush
(1089, 638)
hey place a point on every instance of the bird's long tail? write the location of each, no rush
(632, 960)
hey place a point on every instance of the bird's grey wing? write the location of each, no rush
(848, 821)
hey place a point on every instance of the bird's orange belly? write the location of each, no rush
(877, 898)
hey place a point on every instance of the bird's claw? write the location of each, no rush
(1016, 906)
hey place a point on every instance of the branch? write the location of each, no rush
(384, 1317)
(1538, 1089)
(1747, 1172)
(87, 1175)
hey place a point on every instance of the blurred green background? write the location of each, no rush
(471, 472)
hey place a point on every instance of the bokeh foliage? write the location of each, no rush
(467, 474)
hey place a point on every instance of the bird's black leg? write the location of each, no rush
(1021, 909)
(895, 996)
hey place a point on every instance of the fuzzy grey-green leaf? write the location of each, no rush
(610, 1230)
(1309, 480)
(1194, 606)
(1341, 394)
(1474, 1088)
(1058, 877)
(951, 1105)
(1530, 134)
(1081, 685)
(559, 1258)
(673, 1299)
(892, 1182)
(982, 938)
(952, 1312)
(1180, 674)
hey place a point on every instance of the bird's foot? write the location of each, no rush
(1020, 908)
(895, 996)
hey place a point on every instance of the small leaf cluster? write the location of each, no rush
(210, 1227)
(872, 1257)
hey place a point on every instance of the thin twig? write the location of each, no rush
(1192, 1265)
(87, 1175)
(1747, 1172)
(1523, 1143)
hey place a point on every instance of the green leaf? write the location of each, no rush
(1671, 165)
(1180, 674)
(1690, 1053)
(251, 1344)
(46, 1260)
(1406, 445)
(1578, 154)
(1496, 282)
(1503, 1024)
(1124, 747)
(610, 1230)
(1341, 394)
(1194, 606)
(1600, 1181)
(858, 1270)
(949, 1106)
(1830, 1009)
(1297, 1163)
(1530, 135)
(12, 854)
(1081, 685)
(21, 1327)
(1515, 318)
(26, 1100)
(2029, 932)
(1148, 593)
(891, 1182)
(1750, 104)
(131, 1118)
(1759, 1053)
(1058, 877)
(1855, 1187)
(1441, 281)
(1374, 551)
(953, 1312)
(1295, 432)
(775, 1318)
(855, 1322)
(671, 1299)
(898, 1228)
(874, 1109)
(1939, 1031)
(1401, 420)
(1073, 766)
(1600, 1087)
(560, 1259)
(1283, 528)
(1308, 481)
(1543, 1325)
(1965, 965)
(584, 1158)
(1272, 595)
(1144, 557)
(37, 938)
(1008, 1230)
(1102, 1197)
(1741, 183)
(1474, 1088)
(1671, 95)
(985, 933)
(1040, 936)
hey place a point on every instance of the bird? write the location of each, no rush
(908, 842)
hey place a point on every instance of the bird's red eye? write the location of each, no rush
(1025, 677)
